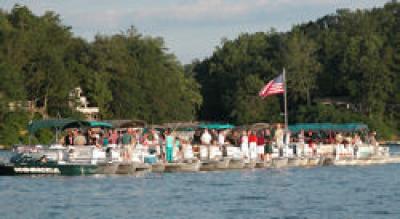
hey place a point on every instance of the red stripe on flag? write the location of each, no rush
(272, 88)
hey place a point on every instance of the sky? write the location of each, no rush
(191, 29)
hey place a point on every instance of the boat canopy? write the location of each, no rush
(127, 123)
(343, 127)
(91, 124)
(216, 126)
(34, 126)
(61, 124)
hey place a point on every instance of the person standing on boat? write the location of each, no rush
(196, 138)
(279, 137)
(252, 145)
(221, 138)
(268, 140)
(301, 143)
(169, 145)
(373, 142)
(357, 143)
(260, 145)
(244, 145)
(339, 147)
(126, 145)
(205, 139)
(214, 135)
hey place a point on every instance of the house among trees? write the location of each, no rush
(337, 102)
(81, 104)
(28, 106)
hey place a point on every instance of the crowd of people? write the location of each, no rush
(169, 145)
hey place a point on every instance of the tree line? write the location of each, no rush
(349, 56)
(127, 75)
(353, 56)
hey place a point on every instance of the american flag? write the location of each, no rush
(273, 87)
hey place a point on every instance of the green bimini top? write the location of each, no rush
(216, 126)
(341, 127)
(34, 126)
(62, 124)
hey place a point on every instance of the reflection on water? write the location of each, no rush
(329, 192)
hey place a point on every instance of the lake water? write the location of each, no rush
(325, 192)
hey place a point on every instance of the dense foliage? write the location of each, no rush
(351, 56)
(129, 76)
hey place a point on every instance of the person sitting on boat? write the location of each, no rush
(339, 138)
(155, 137)
(357, 140)
(69, 139)
(187, 150)
(91, 137)
(105, 140)
(113, 137)
(312, 143)
(146, 139)
(155, 142)
(43, 159)
(80, 139)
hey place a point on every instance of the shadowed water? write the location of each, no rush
(328, 192)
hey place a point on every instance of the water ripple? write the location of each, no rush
(331, 192)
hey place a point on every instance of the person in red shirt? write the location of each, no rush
(260, 145)
(253, 145)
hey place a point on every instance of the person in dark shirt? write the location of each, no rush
(69, 139)
(214, 135)
(197, 137)
(268, 138)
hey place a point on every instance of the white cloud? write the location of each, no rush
(191, 28)
(217, 9)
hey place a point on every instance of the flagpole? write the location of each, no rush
(285, 99)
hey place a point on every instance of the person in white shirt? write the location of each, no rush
(206, 137)
(244, 145)
(221, 138)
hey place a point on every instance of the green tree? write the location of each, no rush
(249, 107)
(302, 66)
